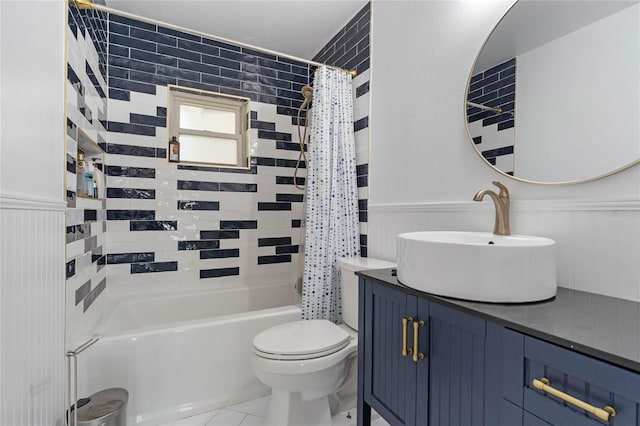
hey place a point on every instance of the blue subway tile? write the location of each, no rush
(256, 69)
(275, 82)
(289, 146)
(134, 129)
(131, 22)
(265, 161)
(131, 193)
(219, 254)
(221, 44)
(274, 64)
(238, 224)
(258, 88)
(220, 81)
(118, 258)
(198, 186)
(132, 85)
(158, 80)
(132, 42)
(90, 215)
(266, 206)
(197, 85)
(179, 34)
(198, 66)
(362, 89)
(289, 94)
(83, 291)
(131, 214)
(219, 235)
(362, 204)
(278, 136)
(149, 120)
(198, 205)
(293, 198)
(363, 181)
(296, 223)
(142, 172)
(222, 62)
(153, 36)
(185, 54)
(238, 187)
(262, 125)
(283, 162)
(238, 75)
(151, 60)
(138, 151)
(288, 249)
(258, 53)
(119, 72)
(498, 152)
(178, 73)
(153, 225)
(198, 245)
(281, 258)
(198, 47)
(219, 272)
(363, 239)
(268, 99)
(237, 56)
(362, 169)
(363, 215)
(161, 111)
(363, 123)
(509, 124)
(118, 28)
(133, 63)
(143, 268)
(288, 180)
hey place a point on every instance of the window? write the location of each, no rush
(211, 128)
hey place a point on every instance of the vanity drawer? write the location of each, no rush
(592, 381)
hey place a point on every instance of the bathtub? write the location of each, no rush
(185, 354)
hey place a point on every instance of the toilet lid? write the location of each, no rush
(301, 340)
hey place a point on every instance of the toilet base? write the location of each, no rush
(291, 409)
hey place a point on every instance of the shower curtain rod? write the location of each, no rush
(87, 4)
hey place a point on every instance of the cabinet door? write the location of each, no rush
(389, 377)
(457, 368)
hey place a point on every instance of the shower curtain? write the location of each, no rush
(332, 222)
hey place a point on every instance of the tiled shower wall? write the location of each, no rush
(174, 225)
(494, 134)
(349, 49)
(86, 112)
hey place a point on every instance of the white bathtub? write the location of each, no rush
(184, 354)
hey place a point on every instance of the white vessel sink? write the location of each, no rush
(478, 266)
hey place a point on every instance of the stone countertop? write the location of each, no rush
(599, 326)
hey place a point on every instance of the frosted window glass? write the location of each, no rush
(203, 149)
(212, 120)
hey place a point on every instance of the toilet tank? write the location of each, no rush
(349, 284)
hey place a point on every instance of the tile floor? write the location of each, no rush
(252, 413)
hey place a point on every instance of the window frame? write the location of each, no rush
(179, 95)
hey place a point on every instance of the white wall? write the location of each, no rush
(424, 171)
(577, 99)
(32, 212)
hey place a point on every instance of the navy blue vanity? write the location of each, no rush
(428, 360)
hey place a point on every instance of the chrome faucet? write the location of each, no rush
(501, 202)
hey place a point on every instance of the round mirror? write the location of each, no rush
(554, 94)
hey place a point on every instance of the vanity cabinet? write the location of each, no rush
(596, 388)
(421, 363)
(470, 369)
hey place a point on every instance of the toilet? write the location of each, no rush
(311, 365)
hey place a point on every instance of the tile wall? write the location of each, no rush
(191, 225)
(349, 49)
(494, 134)
(86, 114)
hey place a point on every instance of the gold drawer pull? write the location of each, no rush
(417, 356)
(602, 413)
(405, 351)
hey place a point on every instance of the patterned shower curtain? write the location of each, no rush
(332, 226)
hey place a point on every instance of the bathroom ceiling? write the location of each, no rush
(295, 27)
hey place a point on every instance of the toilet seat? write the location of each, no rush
(301, 340)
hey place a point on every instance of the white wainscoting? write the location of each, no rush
(598, 242)
(32, 362)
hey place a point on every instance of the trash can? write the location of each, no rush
(105, 408)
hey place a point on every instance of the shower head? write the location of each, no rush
(307, 92)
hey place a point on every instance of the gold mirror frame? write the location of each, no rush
(484, 160)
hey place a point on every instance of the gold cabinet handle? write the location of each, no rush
(604, 413)
(405, 351)
(417, 356)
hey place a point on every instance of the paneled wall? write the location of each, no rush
(172, 227)
(349, 49)
(32, 362)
